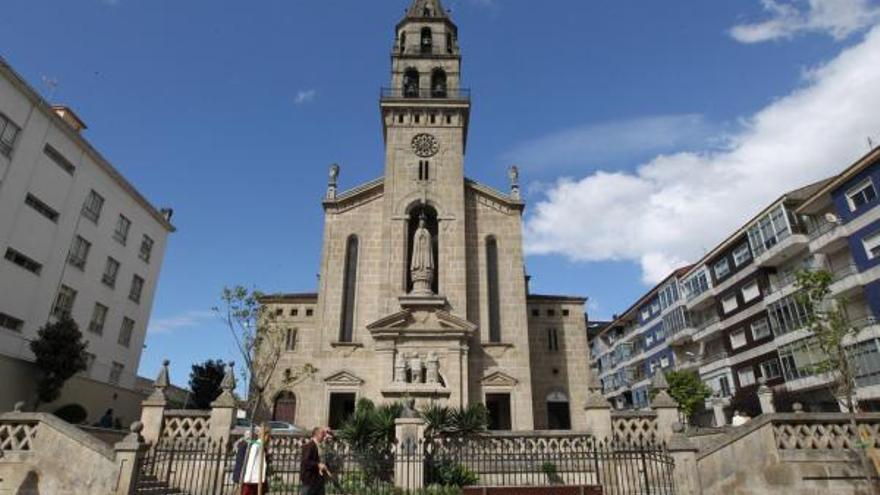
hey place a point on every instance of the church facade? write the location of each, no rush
(423, 293)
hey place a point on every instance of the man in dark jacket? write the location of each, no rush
(312, 470)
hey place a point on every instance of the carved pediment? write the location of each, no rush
(421, 321)
(345, 378)
(499, 379)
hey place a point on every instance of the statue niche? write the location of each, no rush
(423, 266)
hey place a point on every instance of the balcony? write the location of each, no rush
(846, 280)
(435, 94)
(828, 238)
(707, 328)
(700, 300)
(784, 249)
(683, 336)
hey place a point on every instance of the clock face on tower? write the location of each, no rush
(425, 145)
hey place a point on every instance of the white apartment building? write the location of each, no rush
(75, 237)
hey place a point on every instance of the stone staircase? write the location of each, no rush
(149, 484)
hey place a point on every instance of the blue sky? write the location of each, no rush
(644, 130)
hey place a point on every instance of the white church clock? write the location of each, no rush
(425, 145)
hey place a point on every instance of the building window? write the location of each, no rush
(125, 332)
(872, 246)
(120, 233)
(724, 385)
(111, 270)
(800, 359)
(649, 339)
(787, 315)
(290, 339)
(8, 133)
(696, 284)
(861, 195)
(867, 363)
(341, 407)
(760, 329)
(729, 303)
(10, 322)
(664, 362)
(722, 269)
(738, 338)
(23, 261)
(769, 230)
(294, 312)
(498, 406)
(92, 207)
(349, 290)
(746, 377)
(565, 312)
(146, 248)
(771, 369)
(536, 313)
(59, 159)
(424, 170)
(552, 340)
(99, 317)
(116, 370)
(64, 302)
(742, 254)
(310, 312)
(493, 290)
(79, 253)
(751, 292)
(137, 287)
(41, 207)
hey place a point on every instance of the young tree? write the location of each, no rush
(204, 382)
(60, 354)
(256, 337)
(688, 390)
(828, 320)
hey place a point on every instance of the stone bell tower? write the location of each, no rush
(425, 115)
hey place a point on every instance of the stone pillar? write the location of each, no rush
(153, 409)
(385, 356)
(686, 473)
(665, 407)
(409, 471)
(718, 404)
(455, 371)
(598, 411)
(129, 453)
(223, 409)
(765, 397)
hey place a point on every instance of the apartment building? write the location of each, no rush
(75, 238)
(734, 317)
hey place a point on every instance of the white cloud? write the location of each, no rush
(837, 18)
(187, 319)
(676, 206)
(610, 141)
(305, 96)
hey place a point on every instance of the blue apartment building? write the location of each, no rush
(733, 316)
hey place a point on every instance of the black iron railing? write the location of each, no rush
(426, 93)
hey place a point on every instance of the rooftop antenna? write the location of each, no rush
(51, 84)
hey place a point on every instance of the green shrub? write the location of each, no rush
(450, 473)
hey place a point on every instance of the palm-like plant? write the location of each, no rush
(470, 421)
(438, 419)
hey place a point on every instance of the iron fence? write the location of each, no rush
(434, 466)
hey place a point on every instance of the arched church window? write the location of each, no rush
(285, 407)
(411, 83)
(429, 215)
(403, 42)
(493, 294)
(449, 47)
(424, 170)
(427, 40)
(349, 290)
(438, 83)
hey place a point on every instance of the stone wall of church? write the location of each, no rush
(487, 217)
(558, 343)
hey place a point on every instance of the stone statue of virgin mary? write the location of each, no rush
(422, 264)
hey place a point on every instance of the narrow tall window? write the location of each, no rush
(349, 290)
(8, 133)
(116, 370)
(137, 288)
(64, 302)
(125, 332)
(123, 225)
(427, 40)
(424, 170)
(79, 253)
(146, 248)
(99, 318)
(492, 285)
(92, 207)
(111, 270)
